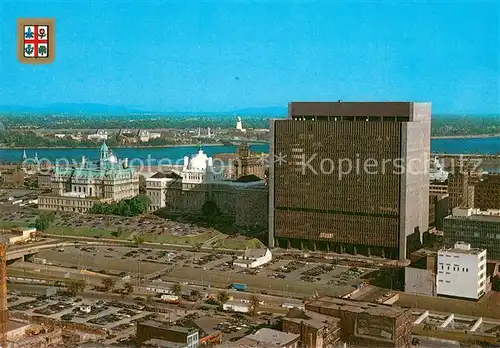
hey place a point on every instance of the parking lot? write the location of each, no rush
(77, 310)
(209, 268)
(116, 317)
(119, 318)
(148, 228)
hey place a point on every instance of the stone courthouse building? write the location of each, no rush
(242, 201)
(77, 189)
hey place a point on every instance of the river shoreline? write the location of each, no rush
(116, 147)
(443, 137)
(473, 136)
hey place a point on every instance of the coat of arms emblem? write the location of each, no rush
(36, 40)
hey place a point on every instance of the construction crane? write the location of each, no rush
(4, 315)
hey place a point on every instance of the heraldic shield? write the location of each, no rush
(36, 40)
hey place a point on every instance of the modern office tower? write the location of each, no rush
(481, 229)
(350, 176)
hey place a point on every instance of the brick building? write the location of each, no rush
(460, 189)
(367, 324)
(439, 206)
(382, 210)
(315, 330)
(44, 179)
(487, 192)
(12, 178)
(248, 163)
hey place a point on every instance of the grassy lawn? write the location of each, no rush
(239, 243)
(12, 224)
(179, 240)
(85, 232)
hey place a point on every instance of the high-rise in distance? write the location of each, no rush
(380, 206)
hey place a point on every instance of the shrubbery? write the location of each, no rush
(127, 207)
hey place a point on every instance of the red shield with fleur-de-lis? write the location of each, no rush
(36, 40)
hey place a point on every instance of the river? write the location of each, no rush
(449, 146)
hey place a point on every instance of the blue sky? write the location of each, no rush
(213, 56)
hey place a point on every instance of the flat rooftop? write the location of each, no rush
(269, 336)
(14, 325)
(471, 251)
(311, 318)
(351, 109)
(354, 306)
(486, 218)
(207, 324)
(173, 328)
(154, 342)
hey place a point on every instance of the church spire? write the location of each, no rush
(104, 154)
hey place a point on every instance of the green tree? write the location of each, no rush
(210, 211)
(43, 221)
(222, 296)
(140, 204)
(177, 289)
(254, 304)
(74, 286)
(108, 283)
(127, 207)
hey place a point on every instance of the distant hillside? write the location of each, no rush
(69, 108)
(110, 110)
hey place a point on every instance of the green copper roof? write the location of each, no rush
(94, 172)
(104, 147)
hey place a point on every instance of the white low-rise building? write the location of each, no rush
(461, 272)
(156, 188)
(145, 135)
(254, 258)
(100, 134)
(15, 236)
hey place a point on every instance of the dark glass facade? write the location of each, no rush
(337, 177)
(481, 232)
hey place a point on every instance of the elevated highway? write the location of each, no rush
(17, 252)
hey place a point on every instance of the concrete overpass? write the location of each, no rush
(20, 252)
